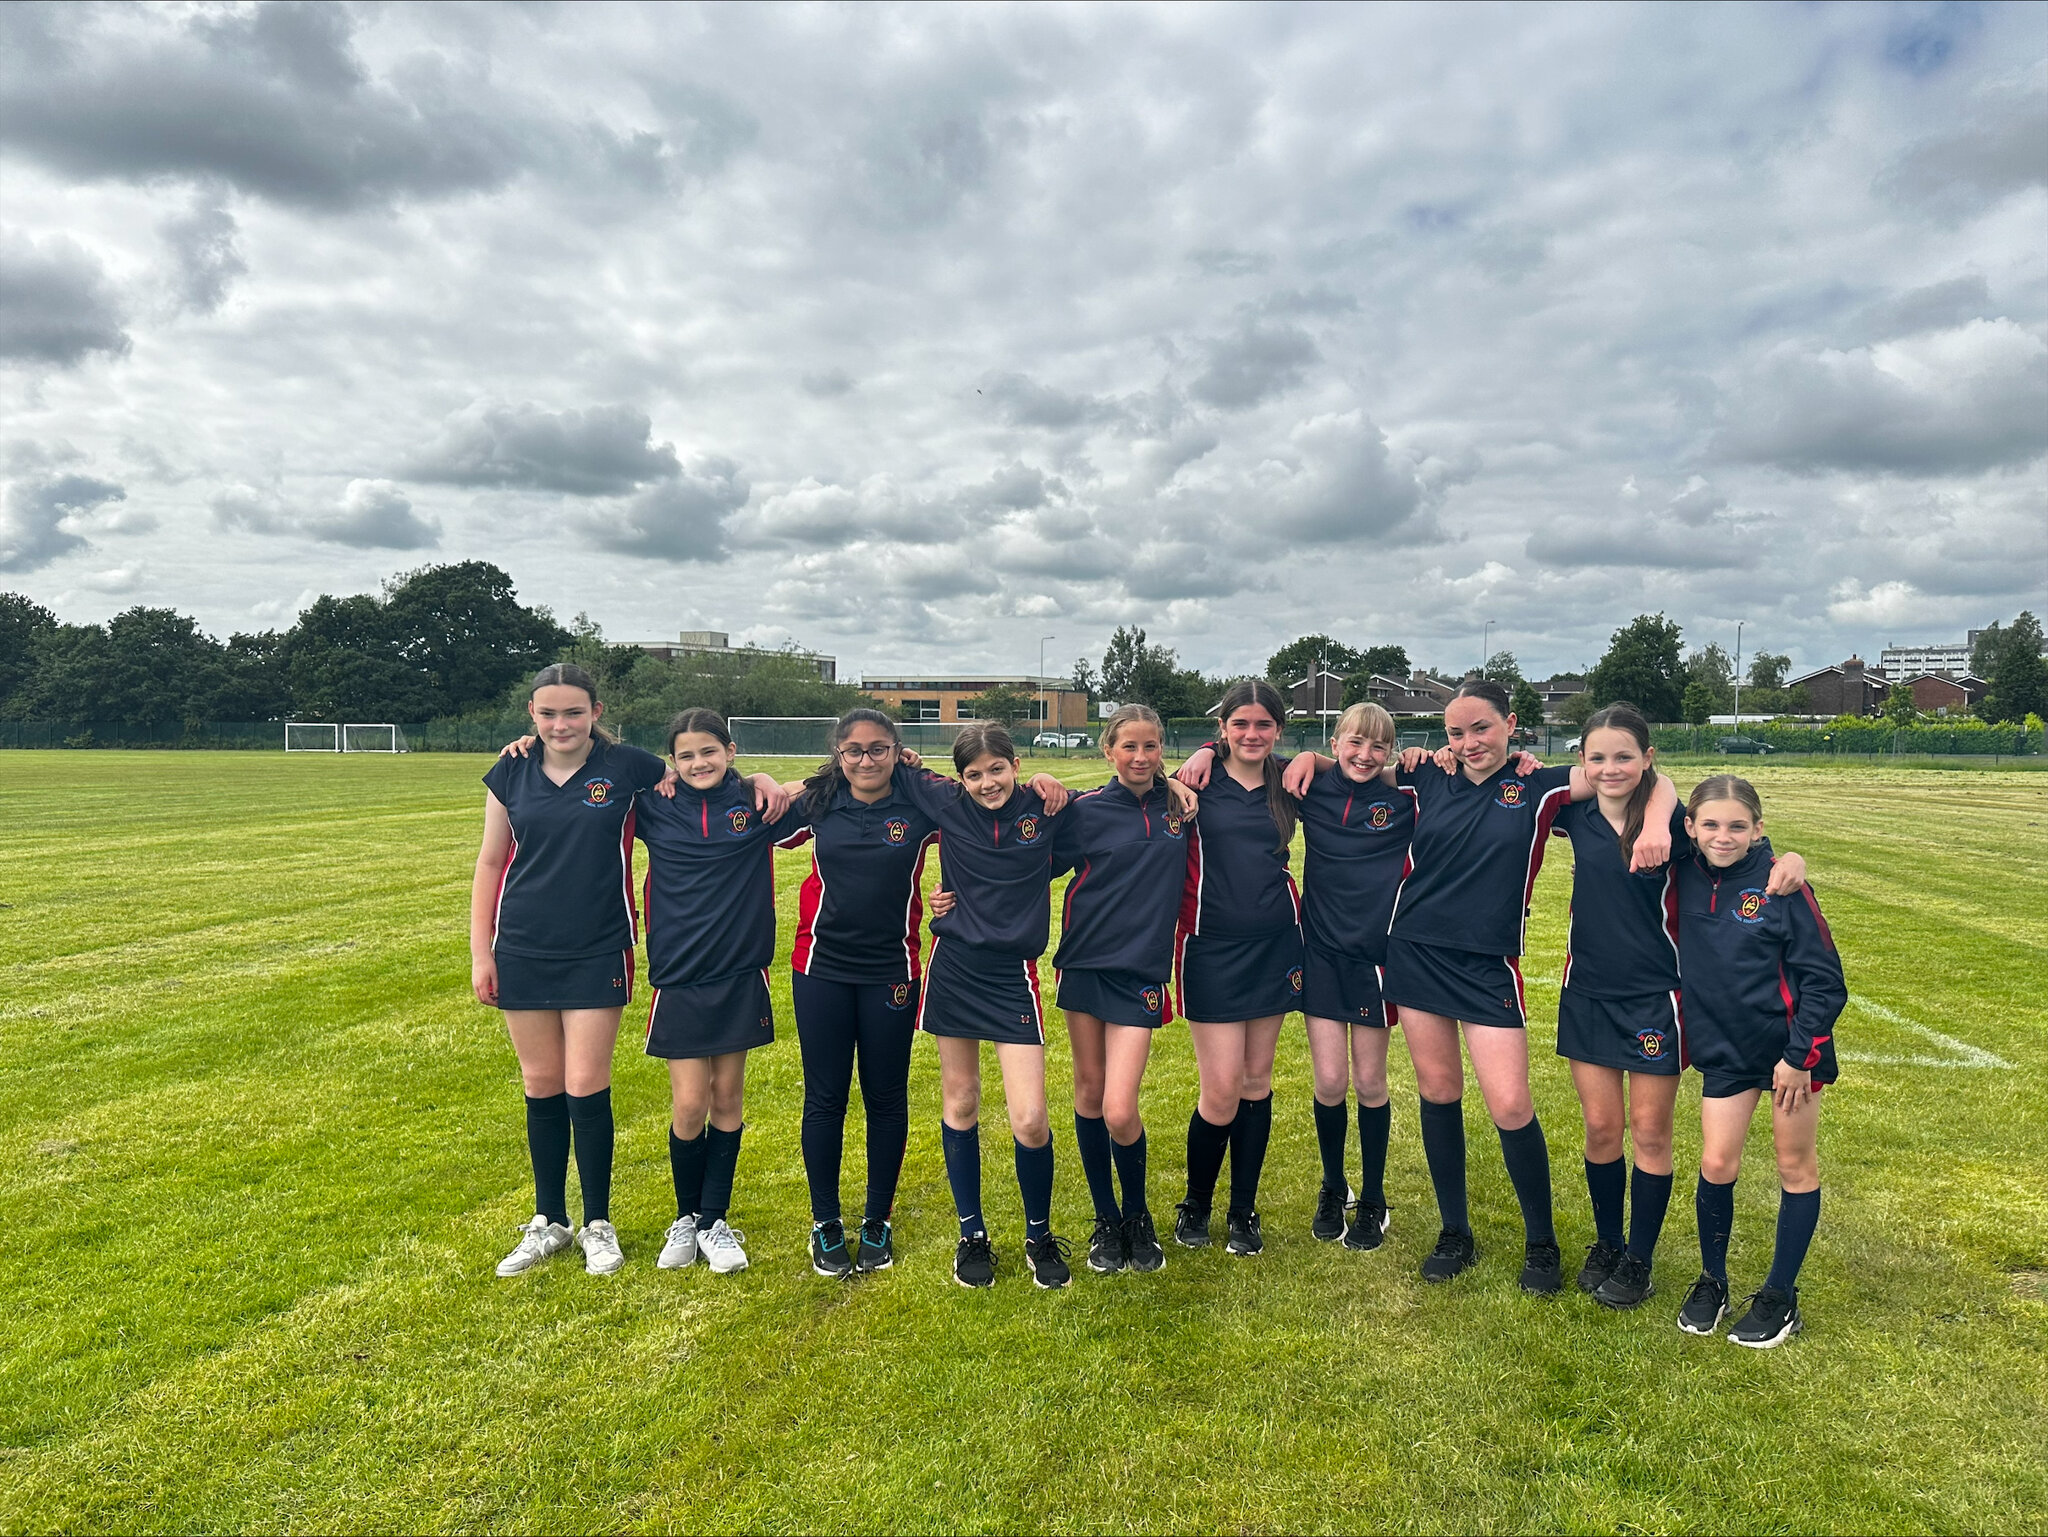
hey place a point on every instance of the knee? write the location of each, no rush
(541, 1083)
(1720, 1168)
(1652, 1143)
(1441, 1083)
(582, 1083)
(727, 1103)
(1603, 1135)
(1088, 1097)
(1799, 1170)
(1123, 1122)
(1329, 1085)
(1030, 1127)
(1259, 1085)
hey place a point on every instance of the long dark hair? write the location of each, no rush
(709, 722)
(1261, 693)
(569, 675)
(1488, 690)
(1623, 716)
(824, 784)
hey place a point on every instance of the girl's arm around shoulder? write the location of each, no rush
(1653, 843)
(1301, 771)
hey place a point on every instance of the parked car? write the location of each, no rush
(1573, 744)
(1062, 739)
(1742, 744)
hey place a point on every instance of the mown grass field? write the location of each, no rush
(261, 1150)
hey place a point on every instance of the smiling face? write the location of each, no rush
(1614, 763)
(563, 716)
(991, 779)
(1724, 830)
(1479, 735)
(867, 757)
(700, 758)
(1250, 731)
(1137, 754)
(1360, 757)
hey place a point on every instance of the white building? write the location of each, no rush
(1949, 657)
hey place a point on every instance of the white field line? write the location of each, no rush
(1962, 1053)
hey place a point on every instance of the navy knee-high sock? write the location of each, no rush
(686, 1168)
(1443, 1147)
(963, 1173)
(1649, 1197)
(721, 1159)
(1034, 1183)
(590, 1117)
(1607, 1184)
(1528, 1161)
(1374, 1123)
(547, 1144)
(1130, 1169)
(1207, 1143)
(1798, 1215)
(1715, 1206)
(1091, 1136)
(1249, 1135)
(1331, 1126)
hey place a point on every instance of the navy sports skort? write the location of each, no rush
(1458, 984)
(981, 995)
(1636, 1035)
(711, 1019)
(1223, 980)
(1342, 987)
(1721, 1083)
(1116, 997)
(551, 982)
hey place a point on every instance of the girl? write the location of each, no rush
(1239, 962)
(1763, 988)
(551, 932)
(1129, 842)
(1618, 1020)
(996, 841)
(856, 974)
(710, 898)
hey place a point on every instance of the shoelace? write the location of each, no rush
(874, 1234)
(831, 1235)
(1106, 1227)
(721, 1234)
(1053, 1244)
(1139, 1229)
(979, 1248)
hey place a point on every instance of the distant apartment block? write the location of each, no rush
(718, 643)
(1055, 701)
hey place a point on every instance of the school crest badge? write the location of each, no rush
(1513, 794)
(1150, 998)
(899, 995)
(1294, 980)
(896, 829)
(1380, 818)
(1650, 1043)
(1027, 829)
(1173, 824)
(597, 792)
(736, 820)
(1750, 905)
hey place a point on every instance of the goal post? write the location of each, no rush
(378, 737)
(312, 736)
(782, 736)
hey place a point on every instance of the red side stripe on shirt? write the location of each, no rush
(626, 879)
(809, 898)
(1190, 921)
(914, 914)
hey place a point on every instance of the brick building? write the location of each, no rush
(1847, 688)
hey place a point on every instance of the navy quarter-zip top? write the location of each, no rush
(709, 892)
(1358, 837)
(1763, 981)
(1130, 858)
(997, 864)
(1476, 853)
(860, 907)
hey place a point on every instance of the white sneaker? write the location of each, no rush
(679, 1249)
(601, 1252)
(540, 1239)
(722, 1251)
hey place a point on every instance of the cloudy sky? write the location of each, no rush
(920, 334)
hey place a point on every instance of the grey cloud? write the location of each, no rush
(245, 509)
(273, 101)
(1577, 542)
(916, 172)
(375, 515)
(1697, 504)
(56, 304)
(598, 451)
(1347, 487)
(681, 519)
(1257, 362)
(1023, 402)
(828, 384)
(1222, 261)
(1314, 300)
(2003, 151)
(34, 514)
(204, 261)
(1935, 307)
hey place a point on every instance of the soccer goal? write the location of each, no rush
(312, 736)
(384, 737)
(782, 736)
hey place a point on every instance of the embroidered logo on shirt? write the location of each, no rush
(1173, 824)
(1510, 794)
(1650, 1043)
(1027, 829)
(1750, 905)
(899, 995)
(597, 792)
(736, 820)
(1380, 818)
(895, 829)
(1294, 980)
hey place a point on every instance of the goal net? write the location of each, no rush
(312, 736)
(377, 738)
(782, 736)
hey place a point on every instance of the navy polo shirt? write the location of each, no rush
(1476, 853)
(710, 885)
(567, 890)
(1131, 859)
(1624, 927)
(1238, 883)
(860, 906)
(1357, 836)
(998, 864)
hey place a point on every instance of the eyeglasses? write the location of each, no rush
(875, 752)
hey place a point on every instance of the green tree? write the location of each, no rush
(1576, 710)
(23, 622)
(1136, 672)
(1298, 658)
(1502, 668)
(1642, 665)
(1387, 661)
(344, 663)
(2019, 679)
(463, 630)
(1984, 655)
(1527, 705)
(1898, 705)
(1003, 704)
(1698, 702)
(1085, 680)
(1767, 670)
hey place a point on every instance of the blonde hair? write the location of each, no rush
(1365, 719)
(1129, 714)
(1725, 787)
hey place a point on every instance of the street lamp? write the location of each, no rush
(1738, 676)
(1486, 645)
(1041, 678)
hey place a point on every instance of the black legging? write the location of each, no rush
(839, 1025)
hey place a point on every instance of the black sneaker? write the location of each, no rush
(1141, 1243)
(1047, 1258)
(1705, 1305)
(1191, 1225)
(1242, 1236)
(1329, 1223)
(1368, 1226)
(828, 1250)
(1454, 1254)
(1600, 1262)
(974, 1261)
(1772, 1319)
(1629, 1285)
(1542, 1269)
(1106, 1254)
(877, 1247)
